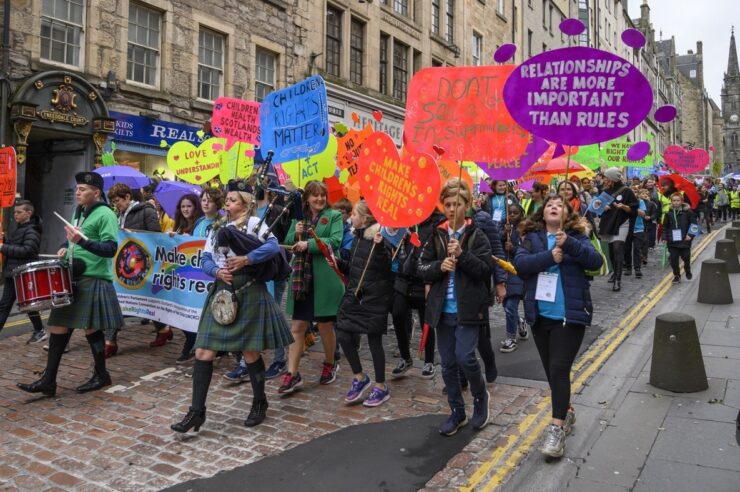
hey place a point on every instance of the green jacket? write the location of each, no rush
(100, 225)
(328, 289)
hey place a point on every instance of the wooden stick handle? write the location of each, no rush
(364, 270)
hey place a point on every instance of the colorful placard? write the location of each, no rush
(578, 95)
(685, 161)
(237, 162)
(294, 121)
(348, 151)
(196, 165)
(8, 178)
(401, 192)
(614, 154)
(313, 168)
(461, 110)
(236, 120)
(159, 277)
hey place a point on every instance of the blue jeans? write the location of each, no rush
(511, 306)
(456, 344)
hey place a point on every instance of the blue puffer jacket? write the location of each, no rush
(533, 257)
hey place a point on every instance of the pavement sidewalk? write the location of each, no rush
(633, 436)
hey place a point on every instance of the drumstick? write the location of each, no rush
(70, 225)
(48, 256)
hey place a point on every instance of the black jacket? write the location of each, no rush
(142, 217)
(683, 219)
(367, 312)
(612, 219)
(472, 276)
(487, 226)
(22, 246)
(408, 282)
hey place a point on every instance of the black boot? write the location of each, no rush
(194, 418)
(612, 278)
(617, 286)
(257, 414)
(48, 382)
(98, 381)
(638, 273)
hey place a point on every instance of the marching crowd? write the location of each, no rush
(536, 252)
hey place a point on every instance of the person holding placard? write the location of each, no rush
(456, 264)
(316, 289)
(679, 230)
(92, 240)
(554, 254)
(614, 226)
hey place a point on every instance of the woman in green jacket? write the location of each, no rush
(315, 288)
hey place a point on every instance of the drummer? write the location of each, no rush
(95, 308)
(19, 248)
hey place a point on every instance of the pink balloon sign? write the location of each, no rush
(685, 161)
(578, 96)
(236, 120)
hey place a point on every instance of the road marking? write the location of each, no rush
(147, 377)
(530, 429)
(23, 321)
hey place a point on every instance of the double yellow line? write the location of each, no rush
(20, 322)
(529, 430)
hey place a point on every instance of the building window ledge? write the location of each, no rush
(152, 93)
(201, 104)
(280, 4)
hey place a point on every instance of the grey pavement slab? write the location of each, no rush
(719, 367)
(583, 485)
(602, 391)
(698, 442)
(669, 476)
(723, 351)
(691, 408)
(716, 388)
(641, 412)
(732, 395)
(719, 336)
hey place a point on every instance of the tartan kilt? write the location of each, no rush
(95, 307)
(259, 324)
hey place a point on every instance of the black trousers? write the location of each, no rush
(639, 249)
(673, 256)
(6, 304)
(616, 256)
(403, 322)
(347, 342)
(558, 345)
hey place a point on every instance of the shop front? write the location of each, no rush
(60, 124)
(142, 142)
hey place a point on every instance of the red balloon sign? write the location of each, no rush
(401, 192)
(685, 162)
(461, 109)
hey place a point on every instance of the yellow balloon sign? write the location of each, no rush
(196, 165)
(314, 168)
(237, 162)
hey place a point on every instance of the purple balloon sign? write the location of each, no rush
(578, 96)
(518, 168)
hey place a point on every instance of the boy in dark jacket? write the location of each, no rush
(679, 230)
(20, 248)
(457, 266)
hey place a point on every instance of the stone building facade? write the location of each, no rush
(731, 111)
(697, 114)
(538, 24)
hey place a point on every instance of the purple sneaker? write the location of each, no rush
(357, 390)
(377, 396)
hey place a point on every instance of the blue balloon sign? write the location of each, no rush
(295, 120)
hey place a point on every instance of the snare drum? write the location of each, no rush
(43, 285)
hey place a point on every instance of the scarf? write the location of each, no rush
(302, 280)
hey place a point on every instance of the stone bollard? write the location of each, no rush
(734, 233)
(677, 364)
(736, 224)
(725, 250)
(714, 284)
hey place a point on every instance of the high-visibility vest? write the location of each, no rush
(665, 204)
(734, 199)
(526, 202)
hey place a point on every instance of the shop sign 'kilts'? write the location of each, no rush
(259, 323)
(95, 307)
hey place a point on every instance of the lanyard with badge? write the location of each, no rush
(676, 233)
(547, 285)
(498, 212)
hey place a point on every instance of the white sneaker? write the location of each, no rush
(570, 420)
(428, 371)
(523, 331)
(554, 445)
(508, 345)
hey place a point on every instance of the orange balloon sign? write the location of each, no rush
(462, 110)
(348, 150)
(8, 171)
(401, 192)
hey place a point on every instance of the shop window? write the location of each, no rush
(356, 50)
(450, 21)
(266, 61)
(477, 48)
(383, 68)
(144, 28)
(210, 64)
(333, 41)
(400, 70)
(62, 31)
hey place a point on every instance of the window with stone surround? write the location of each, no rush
(62, 31)
(356, 50)
(144, 29)
(333, 40)
(383, 67)
(477, 49)
(450, 21)
(400, 69)
(264, 73)
(435, 17)
(210, 64)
